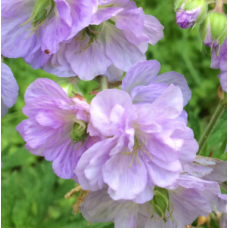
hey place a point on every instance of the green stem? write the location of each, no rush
(210, 127)
(104, 83)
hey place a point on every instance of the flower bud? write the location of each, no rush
(160, 203)
(79, 132)
(213, 29)
(190, 12)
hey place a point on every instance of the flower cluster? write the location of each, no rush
(130, 150)
(84, 38)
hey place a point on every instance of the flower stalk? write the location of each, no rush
(104, 83)
(219, 6)
(214, 120)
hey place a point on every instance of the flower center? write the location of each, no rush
(92, 31)
(79, 132)
(41, 11)
(134, 153)
(161, 204)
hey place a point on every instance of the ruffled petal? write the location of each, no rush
(89, 168)
(102, 106)
(176, 79)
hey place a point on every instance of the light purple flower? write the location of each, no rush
(9, 89)
(188, 13)
(219, 61)
(186, 19)
(115, 40)
(48, 131)
(31, 28)
(193, 197)
(146, 143)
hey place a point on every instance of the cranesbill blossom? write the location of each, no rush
(56, 127)
(219, 61)
(146, 143)
(9, 89)
(115, 40)
(33, 29)
(192, 197)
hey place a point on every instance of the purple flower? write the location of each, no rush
(193, 197)
(116, 39)
(9, 89)
(31, 28)
(145, 143)
(220, 62)
(188, 12)
(57, 126)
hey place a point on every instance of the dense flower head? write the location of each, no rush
(146, 137)
(111, 36)
(189, 197)
(9, 89)
(188, 13)
(57, 126)
(219, 61)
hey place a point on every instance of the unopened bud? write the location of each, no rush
(79, 132)
(190, 12)
(213, 29)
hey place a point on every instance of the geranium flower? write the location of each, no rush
(9, 89)
(146, 143)
(57, 126)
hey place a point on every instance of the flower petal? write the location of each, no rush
(142, 73)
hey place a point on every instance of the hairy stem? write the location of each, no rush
(219, 6)
(210, 127)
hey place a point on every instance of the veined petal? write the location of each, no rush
(90, 62)
(132, 20)
(121, 52)
(153, 29)
(125, 180)
(142, 73)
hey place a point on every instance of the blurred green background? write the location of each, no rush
(32, 196)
